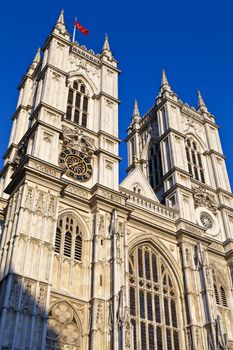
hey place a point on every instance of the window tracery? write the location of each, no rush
(153, 302)
(68, 240)
(194, 158)
(63, 328)
(77, 103)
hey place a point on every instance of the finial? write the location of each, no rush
(106, 43)
(61, 17)
(135, 109)
(164, 83)
(136, 115)
(164, 80)
(201, 104)
(37, 57)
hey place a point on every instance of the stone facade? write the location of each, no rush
(87, 263)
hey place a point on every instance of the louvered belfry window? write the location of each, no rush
(68, 240)
(194, 158)
(77, 103)
(153, 302)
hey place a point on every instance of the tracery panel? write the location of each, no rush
(153, 302)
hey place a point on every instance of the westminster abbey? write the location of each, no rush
(91, 264)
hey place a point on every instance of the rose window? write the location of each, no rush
(206, 220)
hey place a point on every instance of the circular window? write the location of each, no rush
(206, 220)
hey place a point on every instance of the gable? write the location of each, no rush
(136, 182)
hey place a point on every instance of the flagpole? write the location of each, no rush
(74, 31)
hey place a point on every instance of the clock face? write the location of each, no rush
(75, 164)
(206, 220)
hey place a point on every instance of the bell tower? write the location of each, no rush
(63, 144)
(179, 150)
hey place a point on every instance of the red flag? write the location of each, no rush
(81, 28)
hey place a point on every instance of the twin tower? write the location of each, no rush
(87, 263)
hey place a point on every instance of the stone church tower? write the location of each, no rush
(87, 263)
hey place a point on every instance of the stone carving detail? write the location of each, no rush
(41, 299)
(27, 300)
(51, 206)
(204, 199)
(101, 225)
(40, 203)
(99, 317)
(74, 138)
(77, 191)
(29, 200)
(114, 225)
(14, 293)
(63, 330)
(44, 169)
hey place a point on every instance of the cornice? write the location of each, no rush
(102, 93)
(56, 69)
(26, 108)
(9, 149)
(175, 187)
(102, 132)
(109, 154)
(44, 170)
(221, 190)
(51, 108)
(104, 63)
(53, 35)
(172, 170)
(212, 151)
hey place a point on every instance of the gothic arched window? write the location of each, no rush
(153, 302)
(155, 165)
(194, 159)
(77, 103)
(68, 240)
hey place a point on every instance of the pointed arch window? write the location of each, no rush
(219, 291)
(77, 103)
(153, 302)
(194, 159)
(68, 240)
(155, 165)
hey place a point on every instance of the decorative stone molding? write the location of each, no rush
(74, 138)
(43, 168)
(77, 191)
(204, 199)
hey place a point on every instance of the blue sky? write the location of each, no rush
(192, 40)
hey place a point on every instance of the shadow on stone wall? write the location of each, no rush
(23, 316)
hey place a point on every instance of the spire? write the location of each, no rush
(106, 43)
(201, 104)
(135, 109)
(34, 63)
(136, 115)
(106, 51)
(60, 27)
(164, 83)
(61, 18)
(164, 80)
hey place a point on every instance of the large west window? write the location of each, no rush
(77, 104)
(194, 158)
(153, 302)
